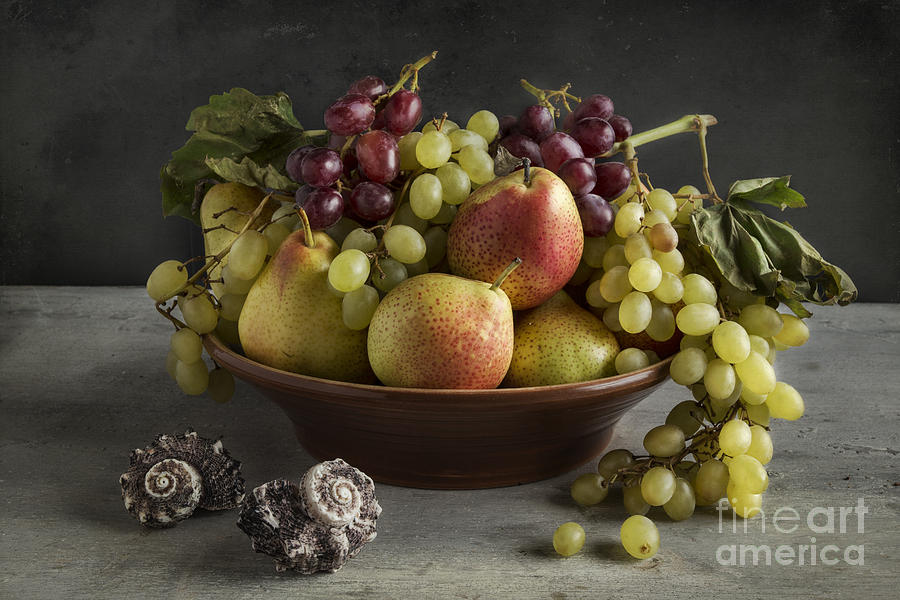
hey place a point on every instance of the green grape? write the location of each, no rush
(461, 138)
(688, 366)
(417, 268)
(614, 285)
(433, 149)
(662, 322)
(221, 385)
(737, 298)
(331, 288)
(389, 274)
(407, 147)
(594, 296)
(645, 274)
(681, 505)
(652, 356)
(712, 480)
(166, 279)
(662, 200)
(358, 306)
(275, 234)
(568, 539)
(731, 342)
(594, 250)
(735, 437)
(657, 486)
(634, 501)
(477, 163)
(785, 402)
(485, 124)
(349, 270)
(729, 401)
(698, 289)
(435, 246)
(406, 216)
(635, 312)
(613, 257)
(631, 359)
(652, 218)
(687, 470)
(639, 537)
(694, 341)
(717, 410)
(227, 331)
(748, 474)
(186, 345)
(455, 183)
(340, 230)
(687, 416)
(199, 314)
(404, 244)
(664, 441)
(230, 306)
(611, 318)
(756, 374)
(447, 127)
(637, 246)
(698, 391)
(171, 363)
(749, 398)
(670, 262)
(758, 414)
(744, 503)
(360, 239)
(589, 489)
(192, 378)
(670, 288)
(761, 320)
(760, 345)
(794, 331)
(286, 215)
(628, 219)
(235, 285)
(687, 205)
(612, 461)
(248, 254)
(697, 319)
(760, 445)
(425, 195)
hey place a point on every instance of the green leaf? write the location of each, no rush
(763, 256)
(767, 190)
(239, 136)
(249, 173)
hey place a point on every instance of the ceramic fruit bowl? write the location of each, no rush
(449, 439)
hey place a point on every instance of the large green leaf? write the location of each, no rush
(239, 136)
(766, 190)
(763, 256)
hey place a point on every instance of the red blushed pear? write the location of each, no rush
(529, 213)
(292, 321)
(445, 332)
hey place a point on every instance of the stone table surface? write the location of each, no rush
(82, 382)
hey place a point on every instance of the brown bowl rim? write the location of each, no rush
(650, 375)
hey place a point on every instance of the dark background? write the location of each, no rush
(95, 96)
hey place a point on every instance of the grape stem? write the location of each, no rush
(407, 72)
(548, 97)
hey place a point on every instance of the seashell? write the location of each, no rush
(173, 476)
(314, 526)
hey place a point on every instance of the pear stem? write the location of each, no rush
(526, 165)
(512, 267)
(308, 238)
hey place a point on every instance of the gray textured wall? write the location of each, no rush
(95, 96)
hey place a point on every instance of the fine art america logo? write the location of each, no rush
(819, 521)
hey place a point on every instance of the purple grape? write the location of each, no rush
(613, 179)
(507, 125)
(370, 86)
(621, 125)
(292, 163)
(378, 123)
(350, 114)
(372, 201)
(598, 105)
(536, 122)
(321, 167)
(350, 164)
(402, 112)
(595, 135)
(559, 147)
(378, 156)
(523, 147)
(579, 175)
(568, 121)
(301, 195)
(336, 142)
(596, 214)
(324, 206)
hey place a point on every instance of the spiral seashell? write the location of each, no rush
(173, 476)
(317, 525)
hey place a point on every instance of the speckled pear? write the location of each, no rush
(442, 331)
(535, 219)
(560, 342)
(291, 321)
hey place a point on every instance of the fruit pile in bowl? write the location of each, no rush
(469, 306)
